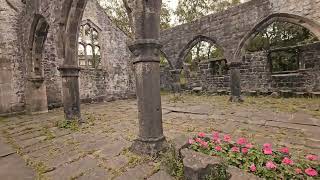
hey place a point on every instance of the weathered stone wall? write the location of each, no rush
(11, 66)
(256, 74)
(114, 79)
(230, 29)
(116, 72)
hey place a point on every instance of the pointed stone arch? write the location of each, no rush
(36, 96)
(184, 52)
(309, 24)
(69, 25)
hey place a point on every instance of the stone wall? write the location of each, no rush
(114, 79)
(11, 64)
(116, 72)
(256, 74)
(231, 29)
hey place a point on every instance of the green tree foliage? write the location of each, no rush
(277, 35)
(117, 12)
(280, 34)
(189, 10)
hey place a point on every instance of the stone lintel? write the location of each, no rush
(69, 71)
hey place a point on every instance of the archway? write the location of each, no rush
(70, 20)
(281, 55)
(201, 57)
(36, 96)
(312, 26)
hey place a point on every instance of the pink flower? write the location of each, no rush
(267, 151)
(191, 141)
(312, 157)
(242, 141)
(249, 146)
(287, 161)
(215, 136)
(253, 168)
(227, 138)
(218, 141)
(298, 171)
(201, 134)
(270, 165)
(235, 149)
(267, 146)
(311, 172)
(218, 148)
(198, 140)
(284, 150)
(204, 144)
(244, 150)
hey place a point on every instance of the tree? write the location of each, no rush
(280, 34)
(189, 10)
(117, 10)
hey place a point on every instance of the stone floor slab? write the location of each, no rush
(13, 167)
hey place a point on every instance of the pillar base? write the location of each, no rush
(150, 147)
(237, 99)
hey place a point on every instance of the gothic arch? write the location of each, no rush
(190, 45)
(311, 25)
(36, 96)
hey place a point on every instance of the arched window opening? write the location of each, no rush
(89, 49)
(37, 40)
(205, 55)
(164, 61)
(282, 41)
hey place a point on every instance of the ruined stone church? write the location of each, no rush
(38, 41)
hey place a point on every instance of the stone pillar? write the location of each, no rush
(176, 87)
(146, 49)
(235, 82)
(36, 97)
(70, 92)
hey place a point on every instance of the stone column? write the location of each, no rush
(70, 90)
(146, 49)
(36, 97)
(176, 87)
(235, 82)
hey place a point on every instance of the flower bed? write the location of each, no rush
(264, 161)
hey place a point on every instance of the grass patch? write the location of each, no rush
(49, 135)
(69, 124)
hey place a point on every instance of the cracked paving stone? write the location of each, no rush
(13, 167)
(71, 170)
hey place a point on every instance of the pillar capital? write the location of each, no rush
(37, 81)
(145, 50)
(69, 71)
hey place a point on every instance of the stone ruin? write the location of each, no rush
(59, 53)
(44, 53)
(231, 30)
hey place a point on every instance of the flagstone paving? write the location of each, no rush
(99, 148)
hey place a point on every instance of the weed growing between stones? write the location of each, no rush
(217, 173)
(176, 98)
(49, 135)
(66, 124)
(172, 163)
(264, 162)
